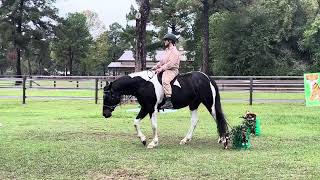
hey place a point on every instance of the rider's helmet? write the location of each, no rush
(171, 37)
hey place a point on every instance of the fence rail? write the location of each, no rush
(250, 84)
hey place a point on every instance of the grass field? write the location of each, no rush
(71, 140)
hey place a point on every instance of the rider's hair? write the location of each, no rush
(173, 42)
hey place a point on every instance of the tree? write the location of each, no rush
(96, 26)
(116, 41)
(72, 42)
(262, 39)
(205, 14)
(141, 24)
(99, 59)
(196, 14)
(153, 38)
(173, 14)
(5, 54)
(23, 19)
(311, 38)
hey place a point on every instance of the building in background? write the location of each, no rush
(125, 64)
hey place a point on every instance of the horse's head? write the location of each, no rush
(111, 99)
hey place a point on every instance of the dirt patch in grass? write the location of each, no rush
(116, 174)
(4, 175)
(66, 136)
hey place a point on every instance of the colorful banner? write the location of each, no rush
(312, 89)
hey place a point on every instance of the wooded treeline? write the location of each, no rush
(223, 37)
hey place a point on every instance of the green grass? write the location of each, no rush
(71, 140)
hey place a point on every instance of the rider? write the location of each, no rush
(169, 65)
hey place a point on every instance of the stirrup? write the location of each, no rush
(167, 105)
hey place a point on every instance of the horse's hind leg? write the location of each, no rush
(194, 121)
(214, 107)
(137, 122)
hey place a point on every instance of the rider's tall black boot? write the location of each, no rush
(167, 104)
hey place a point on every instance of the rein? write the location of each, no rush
(110, 107)
(149, 76)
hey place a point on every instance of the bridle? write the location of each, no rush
(112, 107)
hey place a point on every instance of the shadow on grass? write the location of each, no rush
(169, 141)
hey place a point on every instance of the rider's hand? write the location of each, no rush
(159, 70)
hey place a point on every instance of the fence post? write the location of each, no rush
(77, 84)
(24, 90)
(251, 90)
(96, 91)
(54, 84)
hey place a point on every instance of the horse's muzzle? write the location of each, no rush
(106, 114)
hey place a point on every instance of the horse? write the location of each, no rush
(189, 89)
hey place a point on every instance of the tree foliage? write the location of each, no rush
(25, 23)
(263, 39)
(71, 44)
(246, 37)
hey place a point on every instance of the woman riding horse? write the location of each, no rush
(169, 65)
(190, 89)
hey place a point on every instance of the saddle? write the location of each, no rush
(159, 76)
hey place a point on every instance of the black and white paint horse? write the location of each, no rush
(190, 89)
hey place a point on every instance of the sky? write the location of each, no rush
(109, 11)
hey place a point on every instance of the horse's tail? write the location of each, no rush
(220, 119)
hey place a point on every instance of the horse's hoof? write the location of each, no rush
(225, 145)
(143, 140)
(152, 145)
(184, 141)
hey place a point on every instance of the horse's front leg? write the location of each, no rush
(137, 122)
(154, 125)
(194, 121)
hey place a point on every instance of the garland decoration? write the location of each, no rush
(240, 135)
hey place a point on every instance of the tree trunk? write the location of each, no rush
(29, 66)
(18, 63)
(137, 49)
(40, 65)
(16, 45)
(205, 62)
(66, 71)
(141, 24)
(104, 69)
(70, 61)
(174, 29)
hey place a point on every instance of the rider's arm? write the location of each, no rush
(159, 64)
(173, 61)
